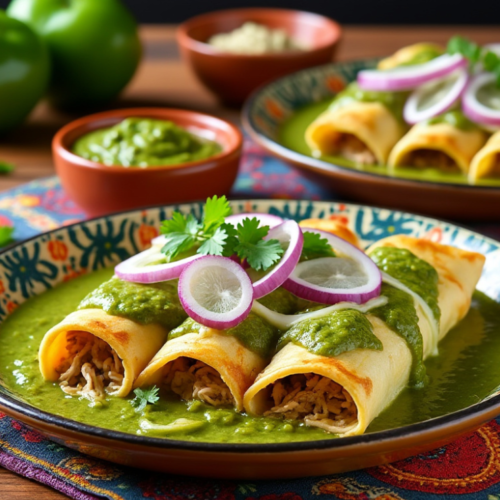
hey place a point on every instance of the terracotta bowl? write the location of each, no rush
(100, 189)
(232, 77)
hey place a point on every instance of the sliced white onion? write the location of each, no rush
(288, 234)
(264, 219)
(410, 77)
(216, 292)
(476, 110)
(387, 278)
(319, 280)
(139, 269)
(436, 97)
(285, 321)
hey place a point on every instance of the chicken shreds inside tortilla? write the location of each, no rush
(317, 400)
(91, 369)
(192, 379)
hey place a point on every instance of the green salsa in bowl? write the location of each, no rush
(144, 142)
(129, 158)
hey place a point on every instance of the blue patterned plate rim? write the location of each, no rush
(323, 166)
(485, 409)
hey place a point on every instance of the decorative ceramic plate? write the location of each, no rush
(472, 397)
(277, 115)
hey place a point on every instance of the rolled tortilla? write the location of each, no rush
(103, 347)
(207, 365)
(343, 394)
(417, 53)
(92, 352)
(361, 131)
(486, 163)
(439, 145)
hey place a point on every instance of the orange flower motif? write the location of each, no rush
(11, 306)
(341, 218)
(435, 235)
(2, 287)
(274, 108)
(58, 250)
(146, 234)
(335, 83)
(72, 274)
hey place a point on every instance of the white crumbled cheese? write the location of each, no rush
(253, 38)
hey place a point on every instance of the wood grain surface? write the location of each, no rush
(163, 80)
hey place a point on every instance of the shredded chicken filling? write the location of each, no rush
(425, 158)
(91, 369)
(351, 148)
(192, 379)
(317, 400)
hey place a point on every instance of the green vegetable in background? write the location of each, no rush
(6, 235)
(24, 71)
(93, 44)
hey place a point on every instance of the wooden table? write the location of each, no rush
(163, 80)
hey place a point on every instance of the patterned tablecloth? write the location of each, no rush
(469, 467)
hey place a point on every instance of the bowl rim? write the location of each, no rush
(185, 40)
(488, 408)
(321, 166)
(59, 149)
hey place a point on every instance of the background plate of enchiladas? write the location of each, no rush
(117, 370)
(357, 142)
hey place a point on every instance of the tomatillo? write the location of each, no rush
(24, 71)
(94, 47)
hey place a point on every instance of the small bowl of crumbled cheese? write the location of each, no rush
(235, 51)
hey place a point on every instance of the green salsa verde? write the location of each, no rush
(156, 303)
(254, 332)
(455, 118)
(400, 315)
(466, 370)
(331, 335)
(393, 101)
(144, 142)
(417, 274)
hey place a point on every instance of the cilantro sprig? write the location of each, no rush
(475, 54)
(315, 247)
(143, 397)
(213, 236)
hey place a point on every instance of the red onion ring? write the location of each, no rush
(291, 233)
(410, 77)
(324, 295)
(475, 110)
(136, 268)
(412, 112)
(216, 292)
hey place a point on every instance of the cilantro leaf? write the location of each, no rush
(215, 244)
(215, 211)
(461, 45)
(181, 232)
(315, 247)
(6, 235)
(176, 244)
(260, 254)
(143, 397)
(231, 240)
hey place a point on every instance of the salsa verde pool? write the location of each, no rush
(466, 371)
(292, 136)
